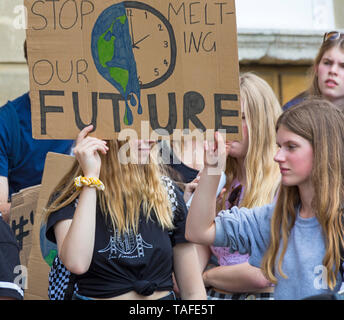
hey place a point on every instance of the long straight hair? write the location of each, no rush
(127, 187)
(322, 124)
(262, 110)
(314, 89)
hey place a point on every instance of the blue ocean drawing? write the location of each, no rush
(113, 56)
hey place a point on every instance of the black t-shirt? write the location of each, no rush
(187, 173)
(142, 262)
(9, 260)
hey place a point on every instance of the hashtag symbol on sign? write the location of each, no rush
(18, 229)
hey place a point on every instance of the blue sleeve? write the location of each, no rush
(245, 230)
(4, 143)
(9, 139)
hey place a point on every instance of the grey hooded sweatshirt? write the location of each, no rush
(248, 231)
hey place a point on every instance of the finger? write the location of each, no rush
(219, 141)
(87, 143)
(90, 146)
(192, 186)
(98, 146)
(222, 193)
(196, 180)
(83, 133)
(211, 145)
(89, 140)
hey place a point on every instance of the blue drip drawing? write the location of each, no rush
(114, 58)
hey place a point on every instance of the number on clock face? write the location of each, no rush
(153, 43)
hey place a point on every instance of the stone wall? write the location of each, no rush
(14, 80)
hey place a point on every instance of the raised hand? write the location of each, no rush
(190, 189)
(215, 153)
(86, 152)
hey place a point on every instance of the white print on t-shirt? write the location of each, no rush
(127, 246)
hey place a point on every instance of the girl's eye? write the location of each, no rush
(291, 146)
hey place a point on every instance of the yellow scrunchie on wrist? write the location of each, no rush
(81, 181)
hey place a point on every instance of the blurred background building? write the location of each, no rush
(278, 39)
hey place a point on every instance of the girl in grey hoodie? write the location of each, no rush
(298, 239)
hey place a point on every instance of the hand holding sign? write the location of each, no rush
(86, 152)
(215, 153)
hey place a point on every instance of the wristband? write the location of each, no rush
(81, 181)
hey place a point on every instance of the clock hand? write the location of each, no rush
(137, 42)
(132, 32)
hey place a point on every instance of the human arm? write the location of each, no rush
(4, 204)
(75, 237)
(10, 154)
(236, 278)
(200, 226)
(204, 255)
(190, 189)
(244, 230)
(187, 272)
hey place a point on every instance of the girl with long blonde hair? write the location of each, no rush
(297, 241)
(252, 179)
(255, 168)
(116, 228)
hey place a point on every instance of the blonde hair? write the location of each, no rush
(262, 110)
(127, 188)
(322, 124)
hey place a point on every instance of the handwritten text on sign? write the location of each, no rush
(114, 64)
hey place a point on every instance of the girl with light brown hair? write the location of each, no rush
(327, 73)
(116, 228)
(296, 241)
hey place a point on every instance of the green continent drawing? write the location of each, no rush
(113, 56)
(106, 51)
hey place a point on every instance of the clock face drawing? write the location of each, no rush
(153, 43)
(133, 47)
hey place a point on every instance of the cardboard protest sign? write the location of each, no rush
(153, 65)
(23, 208)
(56, 166)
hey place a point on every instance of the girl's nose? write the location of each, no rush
(334, 68)
(279, 156)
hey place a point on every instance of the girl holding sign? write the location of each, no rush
(117, 228)
(252, 180)
(297, 240)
